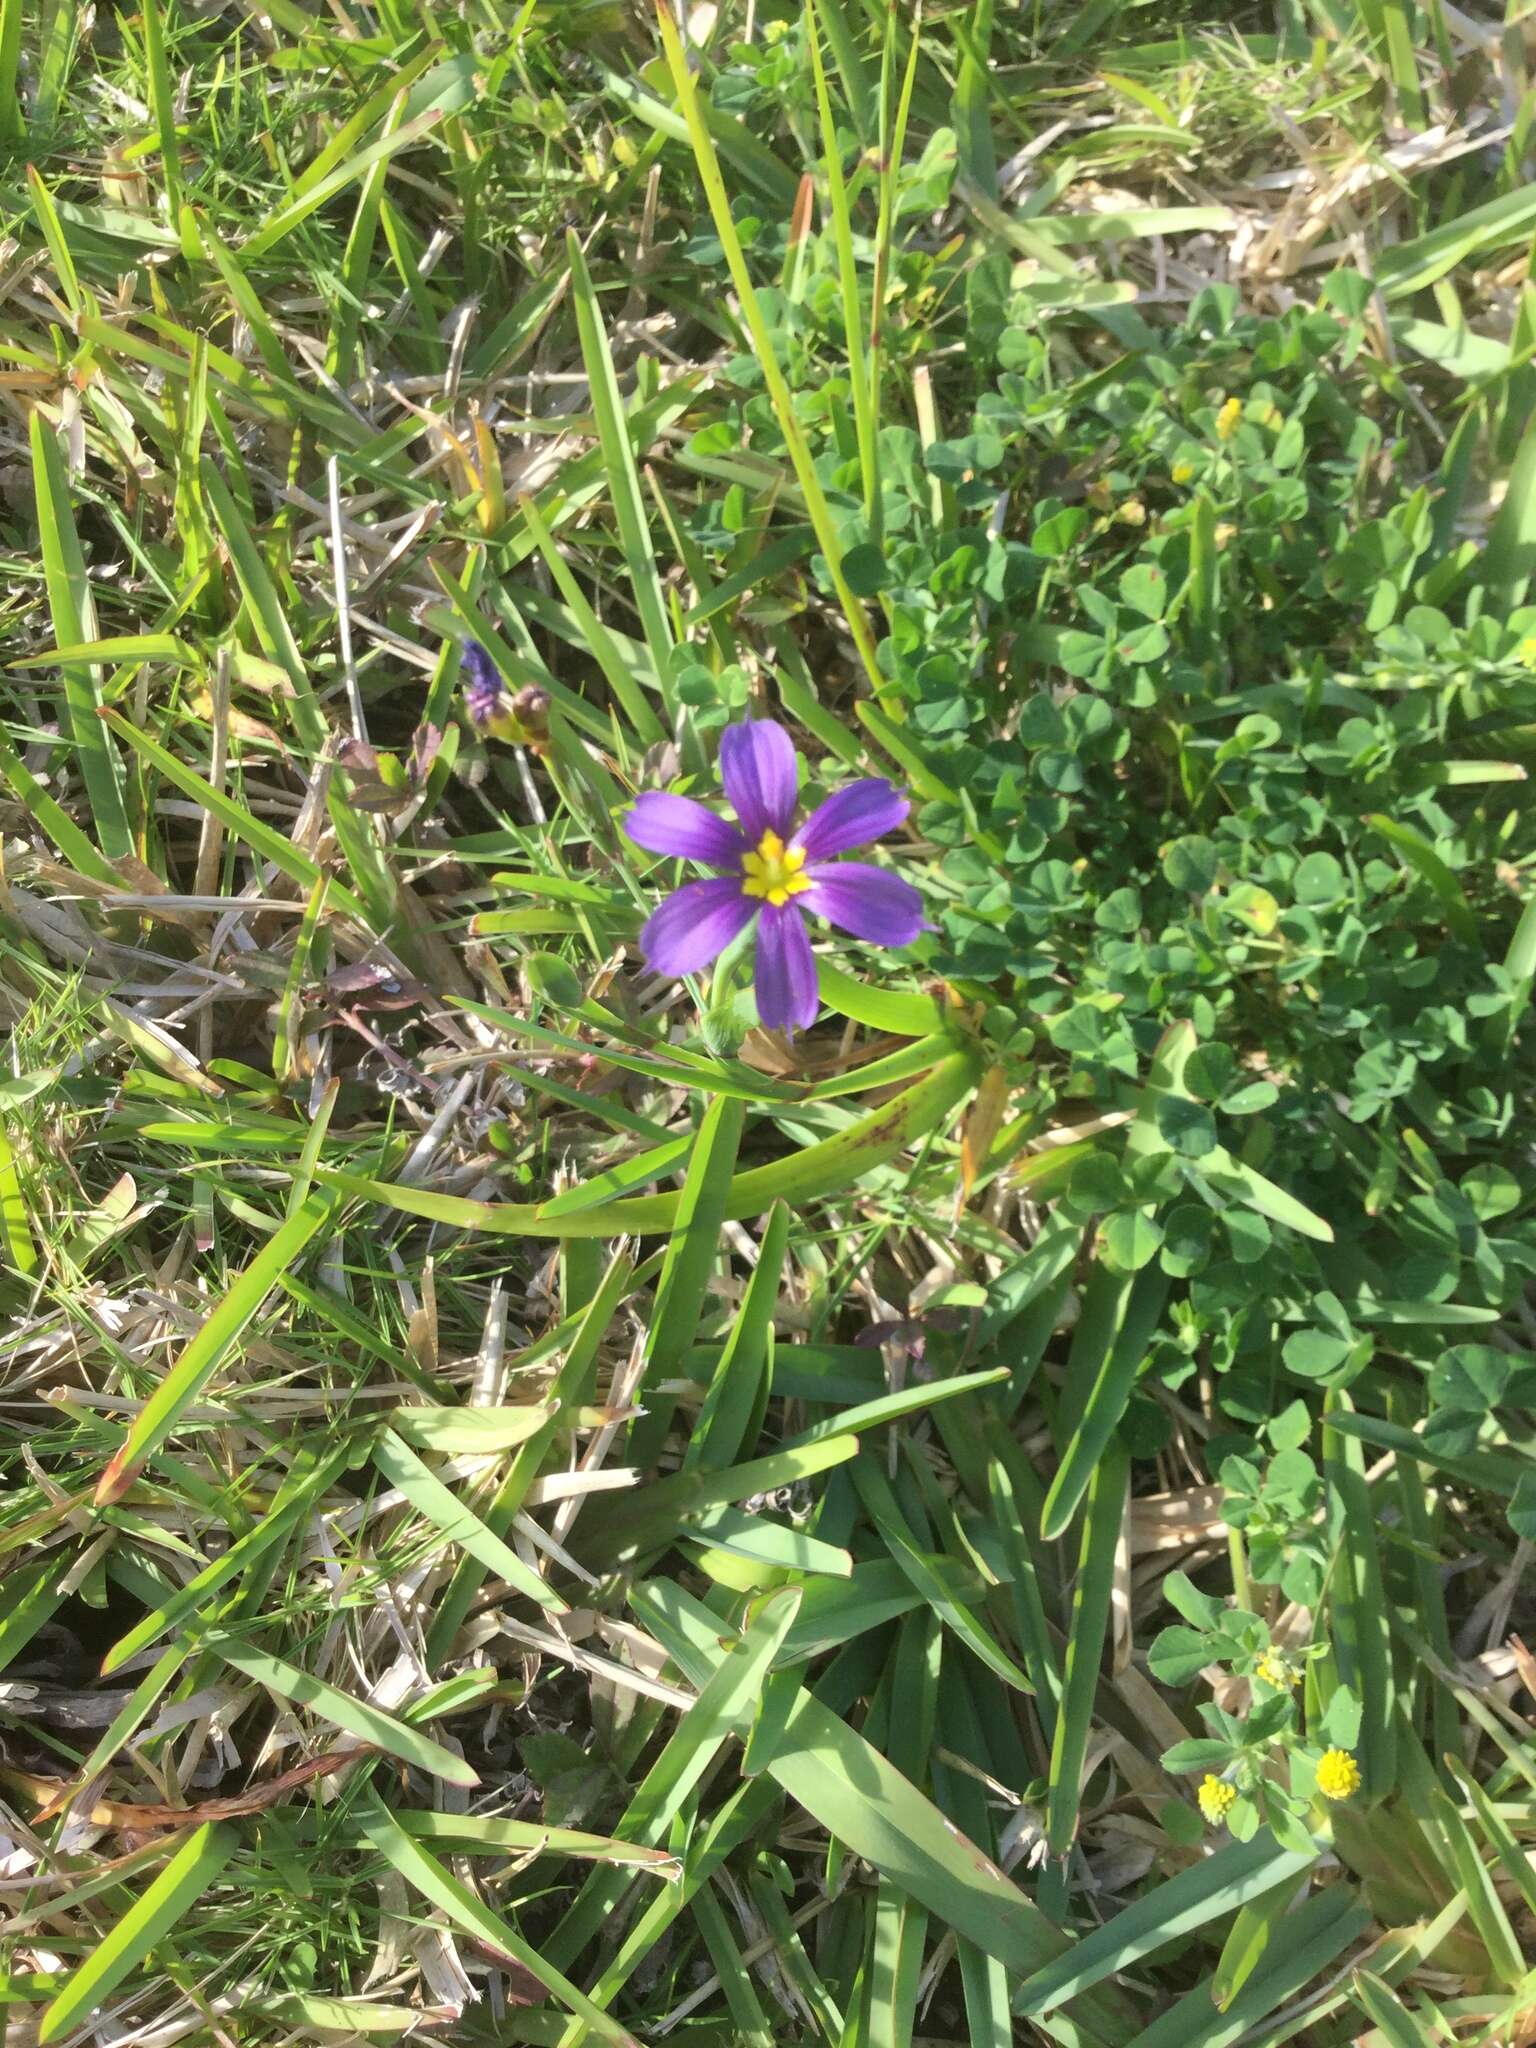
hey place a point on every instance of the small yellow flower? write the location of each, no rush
(1183, 472)
(1132, 513)
(1274, 1670)
(1338, 1775)
(1525, 653)
(1216, 1799)
(1229, 419)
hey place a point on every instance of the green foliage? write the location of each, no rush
(532, 1506)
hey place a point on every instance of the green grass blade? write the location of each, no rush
(497, 1835)
(693, 1252)
(162, 105)
(891, 1527)
(869, 1806)
(1107, 1399)
(205, 1353)
(147, 1922)
(1169, 1912)
(1359, 1609)
(573, 1384)
(726, 1703)
(12, 120)
(739, 1382)
(368, 1723)
(866, 425)
(623, 475)
(458, 1522)
(74, 621)
(424, 1874)
(308, 1477)
(28, 1598)
(763, 342)
(591, 631)
(1428, 865)
(1085, 1647)
(263, 838)
(831, 1165)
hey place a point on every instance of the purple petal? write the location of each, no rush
(483, 690)
(866, 901)
(760, 774)
(853, 817)
(787, 995)
(694, 926)
(677, 825)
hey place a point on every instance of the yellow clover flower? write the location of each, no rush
(1338, 1775)
(1525, 653)
(1229, 419)
(1183, 472)
(1274, 1670)
(1215, 1799)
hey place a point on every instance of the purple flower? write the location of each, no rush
(484, 692)
(771, 871)
(491, 708)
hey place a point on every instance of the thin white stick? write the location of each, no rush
(343, 603)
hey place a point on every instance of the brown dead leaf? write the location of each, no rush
(982, 1125)
(56, 1793)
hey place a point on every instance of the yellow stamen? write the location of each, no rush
(772, 873)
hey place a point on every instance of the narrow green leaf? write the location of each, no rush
(266, 840)
(892, 1407)
(1107, 1400)
(473, 1430)
(581, 1336)
(74, 620)
(206, 1351)
(427, 1876)
(368, 1723)
(739, 1380)
(149, 1919)
(623, 476)
(1169, 1912)
(830, 1166)
(27, 1599)
(497, 1835)
(650, 1514)
(693, 1254)
(862, 1800)
(1427, 864)
(880, 1502)
(765, 347)
(458, 1522)
(307, 1478)
(1398, 2026)
(306, 200)
(727, 1698)
(1085, 1647)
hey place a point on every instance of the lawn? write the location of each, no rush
(767, 922)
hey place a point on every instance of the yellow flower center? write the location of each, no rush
(1215, 1799)
(773, 873)
(1338, 1775)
